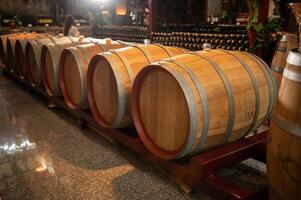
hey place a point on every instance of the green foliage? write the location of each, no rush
(265, 33)
(18, 20)
(216, 29)
(274, 25)
(229, 11)
(271, 26)
(228, 15)
(253, 22)
(258, 27)
(256, 4)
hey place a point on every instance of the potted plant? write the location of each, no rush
(262, 36)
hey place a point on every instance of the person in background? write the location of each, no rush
(92, 21)
(69, 28)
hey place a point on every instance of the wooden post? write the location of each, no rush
(205, 12)
(150, 16)
(263, 11)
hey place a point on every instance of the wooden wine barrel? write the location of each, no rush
(3, 48)
(20, 45)
(110, 78)
(285, 44)
(196, 101)
(73, 69)
(284, 143)
(10, 48)
(50, 58)
(33, 60)
(34, 49)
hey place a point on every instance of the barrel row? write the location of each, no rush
(3, 48)
(35, 57)
(60, 64)
(181, 103)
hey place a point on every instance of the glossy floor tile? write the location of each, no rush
(44, 155)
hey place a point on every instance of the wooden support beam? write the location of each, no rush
(150, 15)
(263, 11)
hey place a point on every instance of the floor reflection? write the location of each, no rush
(19, 155)
(44, 155)
(19, 144)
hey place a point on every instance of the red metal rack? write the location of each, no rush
(200, 172)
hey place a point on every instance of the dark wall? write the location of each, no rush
(290, 24)
(34, 7)
(179, 11)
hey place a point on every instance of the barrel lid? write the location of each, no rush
(294, 58)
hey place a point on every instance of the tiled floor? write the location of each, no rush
(44, 155)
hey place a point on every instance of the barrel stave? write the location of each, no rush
(241, 93)
(257, 71)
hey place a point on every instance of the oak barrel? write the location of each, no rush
(50, 57)
(73, 69)
(3, 48)
(196, 101)
(110, 78)
(287, 42)
(33, 53)
(33, 60)
(10, 48)
(21, 67)
(284, 142)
